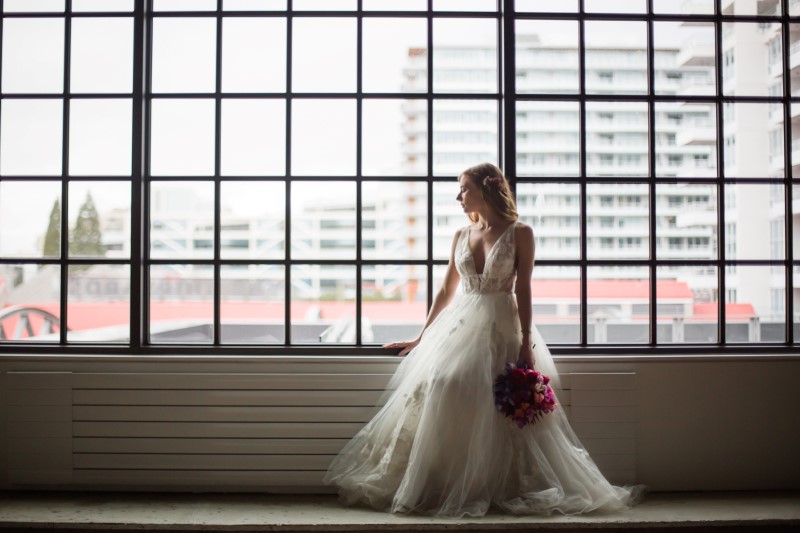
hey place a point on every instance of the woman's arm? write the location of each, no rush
(442, 299)
(525, 257)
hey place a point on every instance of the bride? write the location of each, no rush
(438, 446)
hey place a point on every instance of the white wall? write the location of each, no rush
(700, 423)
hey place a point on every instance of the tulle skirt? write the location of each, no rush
(439, 447)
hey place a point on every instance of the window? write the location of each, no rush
(263, 179)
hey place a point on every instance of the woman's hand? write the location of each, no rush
(406, 346)
(526, 353)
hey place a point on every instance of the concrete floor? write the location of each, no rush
(110, 511)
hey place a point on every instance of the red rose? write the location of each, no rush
(518, 376)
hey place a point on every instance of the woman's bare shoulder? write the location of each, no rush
(522, 229)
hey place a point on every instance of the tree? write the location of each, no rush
(86, 239)
(52, 239)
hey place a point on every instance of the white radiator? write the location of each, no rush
(239, 431)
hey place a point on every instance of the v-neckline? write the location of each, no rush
(488, 254)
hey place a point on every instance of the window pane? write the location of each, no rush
(323, 220)
(184, 55)
(796, 234)
(686, 139)
(546, 6)
(183, 5)
(324, 5)
(254, 54)
(617, 221)
(753, 144)
(323, 304)
(31, 137)
(253, 218)
(795, 148)
(618, 305)
(448, 216)
(324, 54)
(548, 139)
(394, 218)
(616, 6)
(556, 300)
(252, 304)
(464, 5)
(744, 72)
(394, 55)
(546, 56)
(33, 55)
(794, 51)
(100, 219)
(101, 59)
(254, 5)
(32, 307)
(32, 5)
(101, 5)
(685, 58)
(30, 219)
(99, 303)
(553, 211)
(687, 308)
(182, 140)
(616, 57)
(686, 221)
(752, 212)
(324, 137)
(253, 137)
(754, 304)
(181, 304)
(394, 140)
(100, 137)
(681, 7)
(464, 134)
(394, 302)
(395, 5)
(616, 139)
(747, 7)
(182, 220)
(465, 55)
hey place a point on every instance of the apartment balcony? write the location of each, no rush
(696, 89)
(634, 230)
(697, 51)
(704, 134)
(687, 220)
(549, 231)
(639, 252)
(692, 170)
(616, 126)
(687, 253)
(629, 211)
(552, 169)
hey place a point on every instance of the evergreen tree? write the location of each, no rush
(86, 239)
(52, 239)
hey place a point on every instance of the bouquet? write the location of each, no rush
(523, 394)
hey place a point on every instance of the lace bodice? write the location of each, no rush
(499, 272)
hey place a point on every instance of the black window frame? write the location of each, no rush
(506, 98)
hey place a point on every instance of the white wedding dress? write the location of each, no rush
(439, 447)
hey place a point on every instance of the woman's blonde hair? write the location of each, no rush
(496, 191)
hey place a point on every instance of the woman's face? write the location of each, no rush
(469, 196)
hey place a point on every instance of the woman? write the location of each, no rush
(438, 446)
